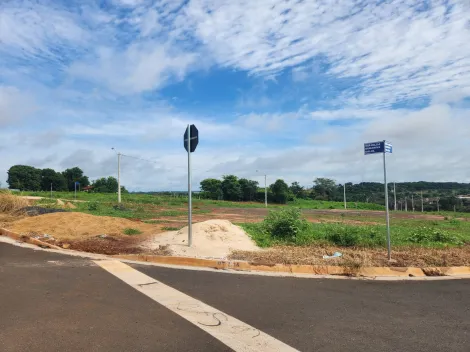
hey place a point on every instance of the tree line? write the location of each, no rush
(442, 194)
(28, 178)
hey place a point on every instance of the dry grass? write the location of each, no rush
(358, 257)
(10, 203)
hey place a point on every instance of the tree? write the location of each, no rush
(248, 189)
(280, 191)
(24, 178)
(296, 189)
(73, 175)
(231, 188)
(324, 188)
(212, 188)
(106, 185)
(58, 181)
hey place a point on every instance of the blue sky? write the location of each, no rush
(290, 88)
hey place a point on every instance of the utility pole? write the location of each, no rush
(422, 202)
(51, 190)
(119, 177)
(345, 204)
(118, 174)
(406, 204)
(265, 192)
(395, 196)
(438, 204)
(412, 202)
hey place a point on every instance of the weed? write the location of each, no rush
(172, 213)
(93, 206)
(170, 228)
(130, 231)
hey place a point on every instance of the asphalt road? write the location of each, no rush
(52, 302)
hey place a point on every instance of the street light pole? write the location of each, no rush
(119, 177)
(395, 196)
(118, 174)
(265, 190)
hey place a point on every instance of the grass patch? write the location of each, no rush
(170, 228)
(172, 213)
(286, 227)
(131, 231)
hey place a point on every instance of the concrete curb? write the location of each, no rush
(299, 269)
(27, 239)
(235, 265)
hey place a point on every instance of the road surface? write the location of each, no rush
(54, 302)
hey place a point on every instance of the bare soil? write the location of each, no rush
(69, 226)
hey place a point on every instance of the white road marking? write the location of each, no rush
(232, 332)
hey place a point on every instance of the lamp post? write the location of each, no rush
(265, 191)
(119, 174)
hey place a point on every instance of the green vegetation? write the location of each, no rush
(28, 178)
(170, 228)
(131, 232)
(287, 227)
(436, 196)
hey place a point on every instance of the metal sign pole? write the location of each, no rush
(345, 204)
(190, 234)
(386, 208)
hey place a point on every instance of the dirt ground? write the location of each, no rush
(73, 225)
(244, 215)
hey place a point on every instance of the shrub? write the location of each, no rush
(285, 224)
(345, 236)
(430, 235)
(93, 206)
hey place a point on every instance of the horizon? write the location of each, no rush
(292, 90)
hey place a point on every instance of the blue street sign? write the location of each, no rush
(377, 147)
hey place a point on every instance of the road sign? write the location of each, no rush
(194, 140)
(377, 147)
(382, 147)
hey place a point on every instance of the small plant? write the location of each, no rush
(131, 231)
(93, 206)
(170, 228)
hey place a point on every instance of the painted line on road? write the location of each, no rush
(234, 333)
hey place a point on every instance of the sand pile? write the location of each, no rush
(75, 226)
(211, 239)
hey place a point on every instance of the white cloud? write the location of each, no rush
(399, 49)
(14, 105)
(140, 67)
(29, 29)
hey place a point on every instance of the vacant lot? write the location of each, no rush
(417, 238)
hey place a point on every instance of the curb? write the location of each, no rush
(235, 265)
(27, 239)
(297, 269)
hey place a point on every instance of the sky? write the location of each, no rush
(290, 89)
